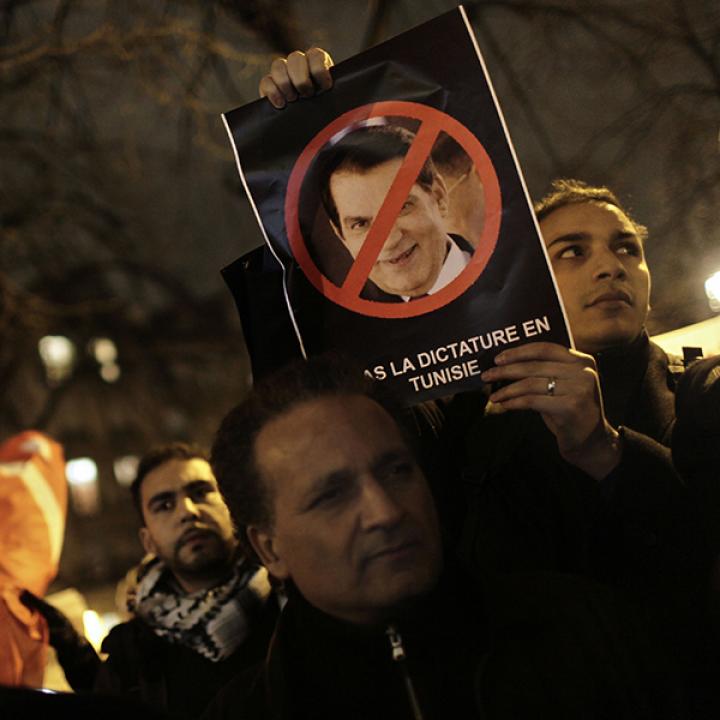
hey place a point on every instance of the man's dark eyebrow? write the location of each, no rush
(574, 237)
(625, 235)
(170, 494)
(351, 218)
(335, 477)
(160, 497)
(199, 484)
(400, 454)
(570, 237)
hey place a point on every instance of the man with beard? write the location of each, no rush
(201, 608)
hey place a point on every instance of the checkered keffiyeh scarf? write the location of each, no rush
(211, 622)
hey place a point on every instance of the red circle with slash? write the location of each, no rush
(432, 122)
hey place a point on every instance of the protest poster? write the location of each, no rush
(396, 210)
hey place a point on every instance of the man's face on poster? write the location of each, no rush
(414, 252)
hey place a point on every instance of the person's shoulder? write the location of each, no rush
(696, 435)
(132, 638)
(374, 293)
(118, 673)
(119, 634)
(667, 362)
(701, 379)
(262, 626)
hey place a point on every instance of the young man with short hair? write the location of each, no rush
(201, 608)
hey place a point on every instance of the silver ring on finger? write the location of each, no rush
(551, 383)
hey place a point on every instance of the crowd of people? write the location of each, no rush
(547, 546)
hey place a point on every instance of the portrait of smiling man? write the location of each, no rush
(418, 256)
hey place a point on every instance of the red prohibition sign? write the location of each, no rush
(432, 121)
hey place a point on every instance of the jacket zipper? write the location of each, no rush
(399, 656)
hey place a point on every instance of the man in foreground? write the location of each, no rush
(201, 609)
(335, 506)
(323, 485)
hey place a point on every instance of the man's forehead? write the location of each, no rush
(354, 176)
(323, 429)
(350, 168)
(354, 203)
(174, 474)
(581, 211)
(582, 218)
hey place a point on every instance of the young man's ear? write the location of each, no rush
(263, 542)
(147, 541)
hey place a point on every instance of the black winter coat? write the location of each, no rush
(531, 647)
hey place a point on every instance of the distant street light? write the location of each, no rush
(82, 476)
(105, 353)
(104, 350)
(712, 290)
(125, 469)
(58, 355)
(110, 372)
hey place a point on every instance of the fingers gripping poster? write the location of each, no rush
(394, 207)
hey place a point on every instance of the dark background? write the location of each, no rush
(120, 200)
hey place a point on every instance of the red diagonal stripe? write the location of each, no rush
(385, 219)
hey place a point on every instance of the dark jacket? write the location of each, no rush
(696, 453)
(521, 507)
(696, 445)
(171, 677)
(638, 385)
(696, 439)
(321, 667)
(544, 646)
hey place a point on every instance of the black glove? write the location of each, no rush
(76, 655)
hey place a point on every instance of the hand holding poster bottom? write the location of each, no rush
(402, 226)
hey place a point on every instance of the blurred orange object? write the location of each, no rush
(33, 508)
